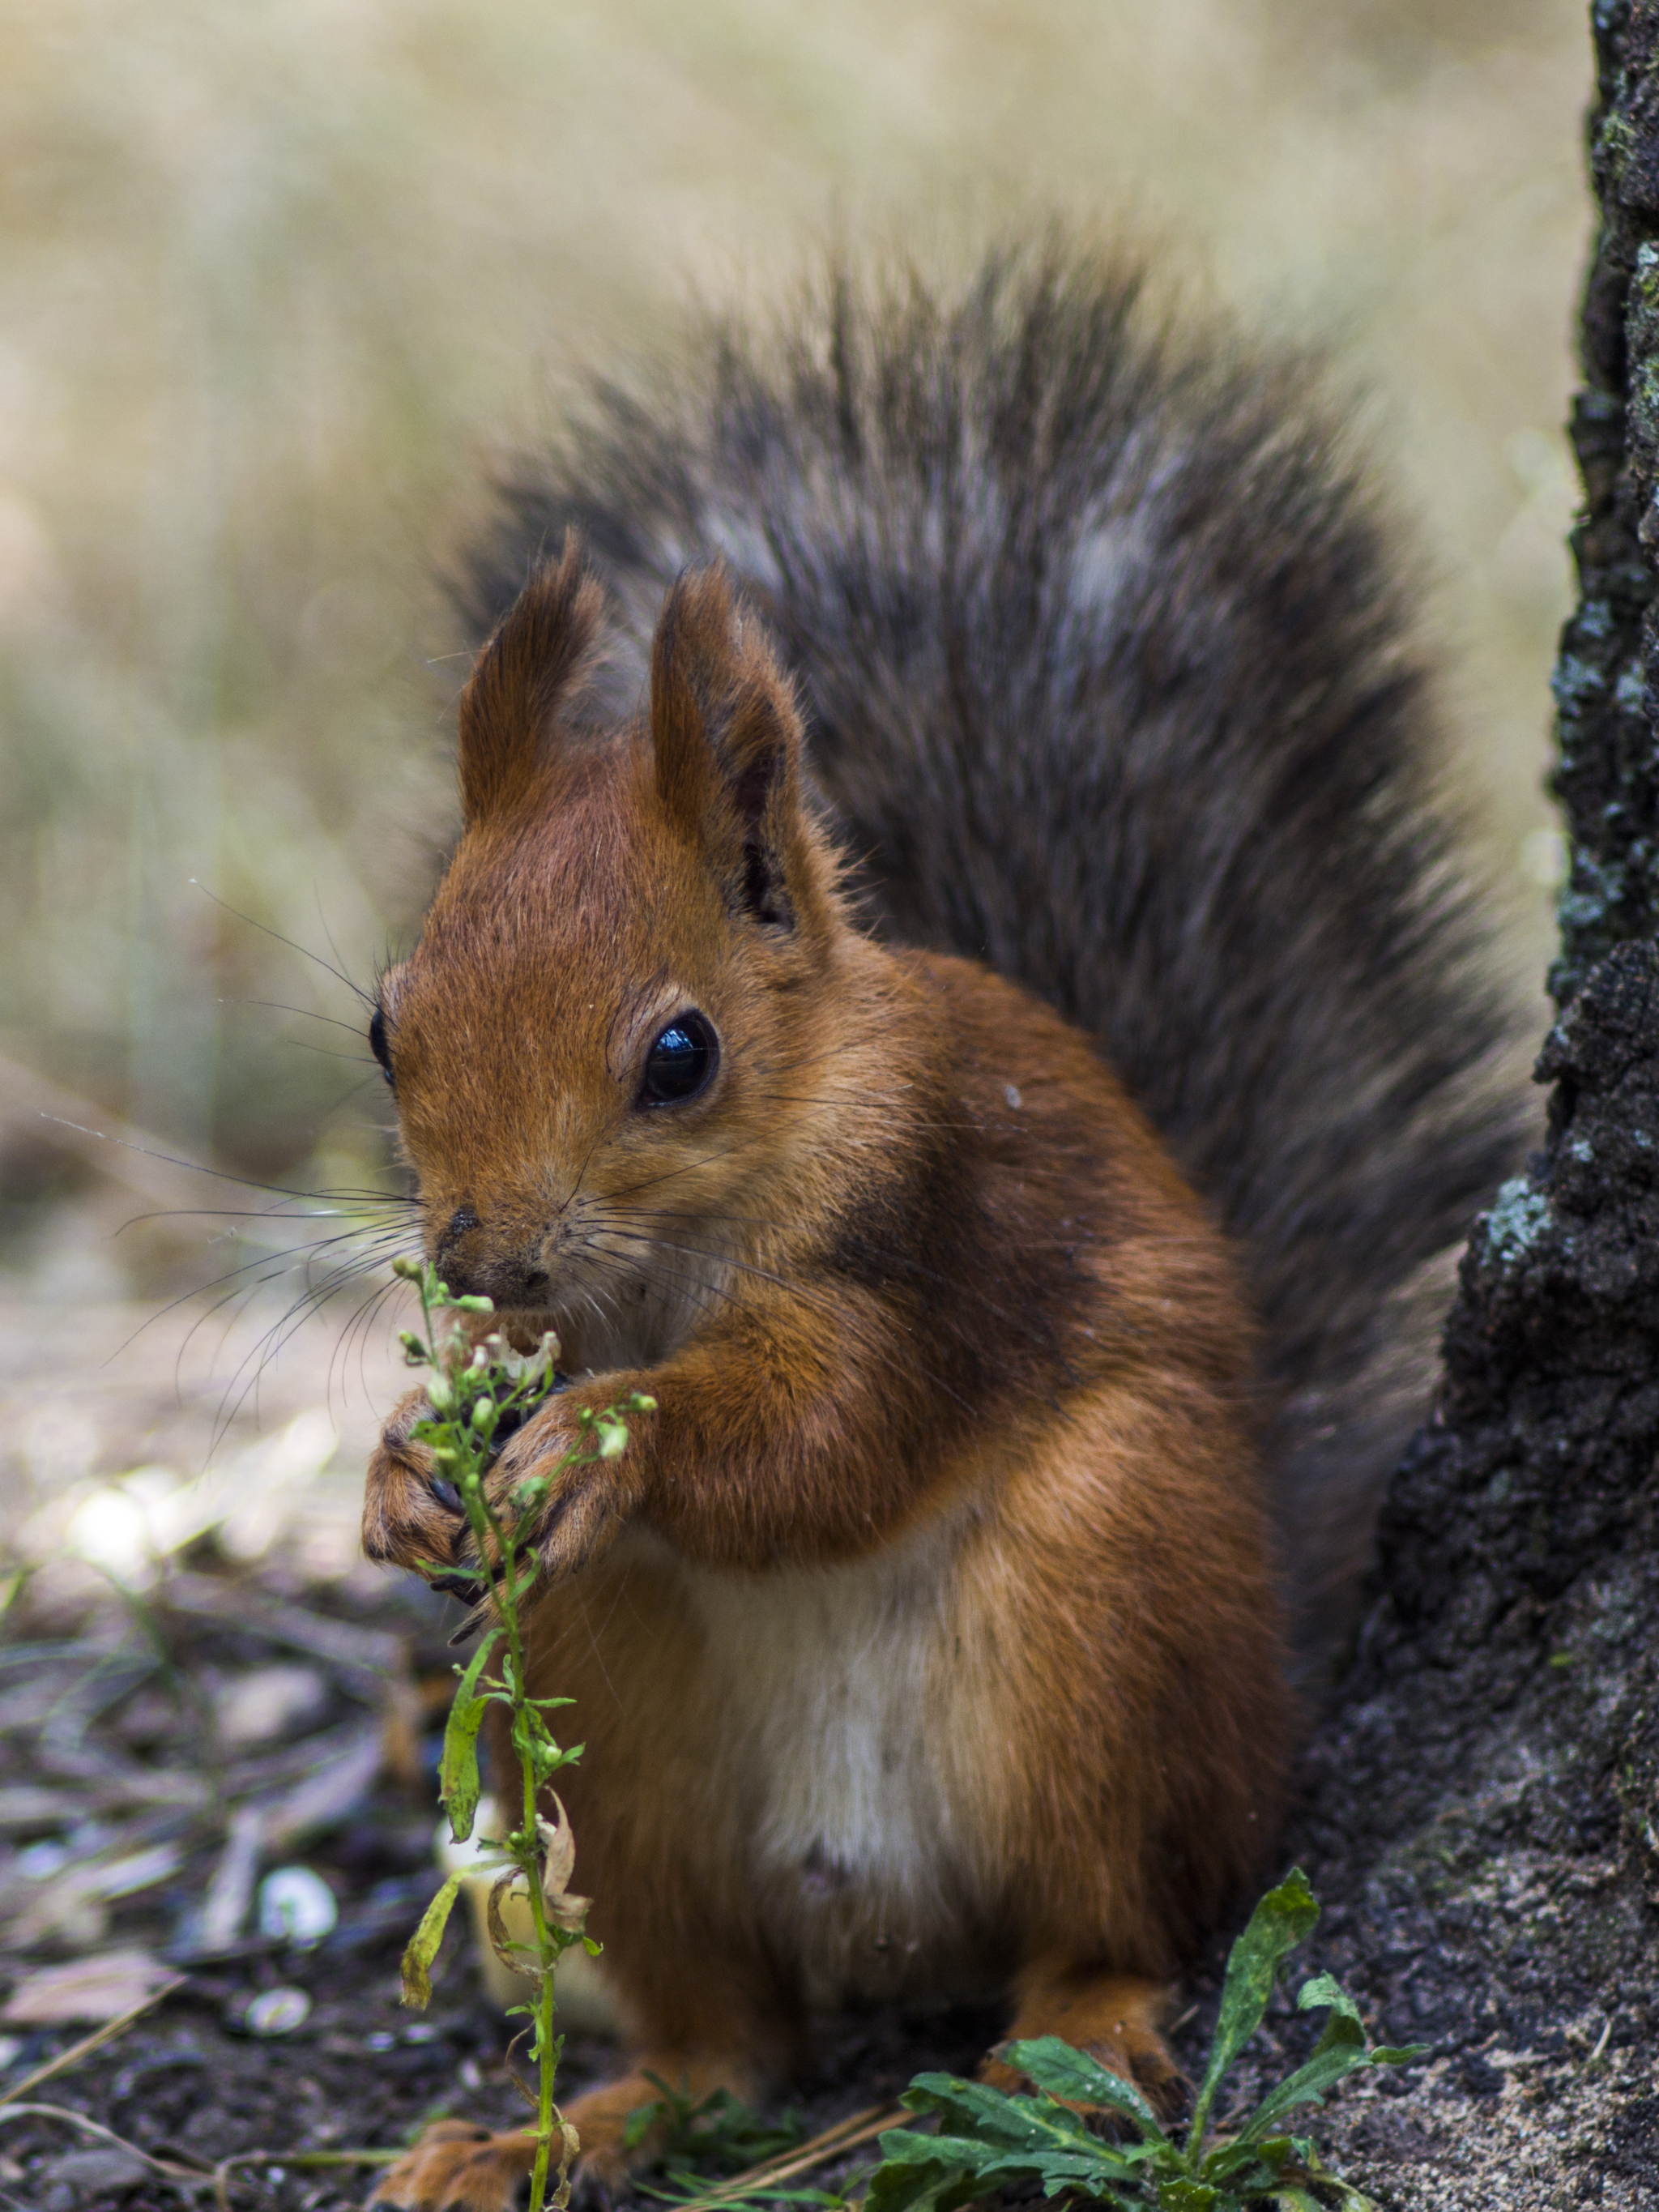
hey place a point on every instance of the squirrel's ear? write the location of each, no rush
(726, 736)
(537, 656)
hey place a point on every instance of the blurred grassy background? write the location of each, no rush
(281, 279)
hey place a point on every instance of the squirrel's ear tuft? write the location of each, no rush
(539, 654)
(726, 736)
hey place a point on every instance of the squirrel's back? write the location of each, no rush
(1110, 682)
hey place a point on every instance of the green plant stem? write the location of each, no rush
(471, 1390)
(550, 1949)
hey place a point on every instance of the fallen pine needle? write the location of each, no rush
(846, 2135)
(95, 2041)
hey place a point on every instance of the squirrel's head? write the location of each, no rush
(619, 1013)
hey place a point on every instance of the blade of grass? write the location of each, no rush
(301, 2161)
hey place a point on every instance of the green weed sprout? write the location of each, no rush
(988, 2138)
(703, 2141)
(473, 1390)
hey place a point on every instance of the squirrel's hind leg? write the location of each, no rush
(457, 2167)
(1118, 2018)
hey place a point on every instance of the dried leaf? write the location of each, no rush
(521, 1957)
(96, 1988)
(558, 1850)
(565, 1910)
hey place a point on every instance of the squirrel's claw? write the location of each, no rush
(408, 1522)
(588, 1504)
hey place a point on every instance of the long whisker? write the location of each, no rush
(290, 1256)
(689, 1167)
(358, 1324)
(322, 1052)
(306, 1013)
(260, 1213)
(192, 1167)
(698, 1285)
(280, 1333)
(317, 901)
(728, 1260)
(338, 973)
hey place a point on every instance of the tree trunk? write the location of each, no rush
(1481, 1811)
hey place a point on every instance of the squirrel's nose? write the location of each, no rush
(511, 1280)
(446, 1257)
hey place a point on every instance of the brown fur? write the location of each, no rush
(953, 1489)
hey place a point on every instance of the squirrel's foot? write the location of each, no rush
(457, 2167)
(600, 2116)
(1117, 2017)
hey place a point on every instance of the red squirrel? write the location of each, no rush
(950, 982)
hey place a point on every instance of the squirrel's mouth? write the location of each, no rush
(525, 1326)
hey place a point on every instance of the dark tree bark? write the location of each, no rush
(1481, 1811)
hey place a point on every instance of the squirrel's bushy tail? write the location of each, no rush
(1110, 684)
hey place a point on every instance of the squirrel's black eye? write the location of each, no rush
(680, 1062)
(377, 1043)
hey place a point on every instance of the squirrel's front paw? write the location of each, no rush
(410, 1516)
(585, 1502)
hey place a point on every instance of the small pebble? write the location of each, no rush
(80, 2177)
(276, 2012)
(297, 1905)
(42, 1860)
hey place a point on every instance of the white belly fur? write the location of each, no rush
(851, 1724)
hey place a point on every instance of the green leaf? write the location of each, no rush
(1340, 2050)
(1004, 2121)
(941, 2170)
(459, 1787)
(1349, 2199)
(1193, 2197)
(1326, 1989)
(911, 2185)
(1071, 2074)
(1233, 2161)
(423, 1946)
(1285, 1916)
(996, 2138)
(639, 2122)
